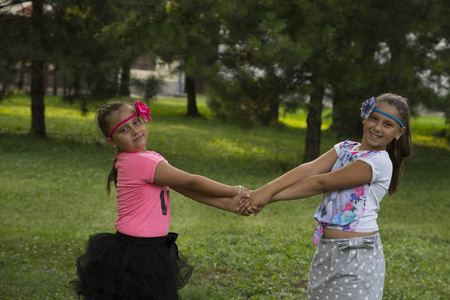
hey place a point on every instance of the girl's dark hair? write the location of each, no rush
(102, 121)
(401, 148)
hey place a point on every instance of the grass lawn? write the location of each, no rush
(52, 197)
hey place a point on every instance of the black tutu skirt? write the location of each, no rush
(119, 266)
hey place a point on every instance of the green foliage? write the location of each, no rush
(253, 56)
(287, 50)
(385, 49)
(52, 197)
(261, 64)
(149, 86)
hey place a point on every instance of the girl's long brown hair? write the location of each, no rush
(401, 148)
(102, 121)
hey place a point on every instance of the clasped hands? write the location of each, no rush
(249, 202)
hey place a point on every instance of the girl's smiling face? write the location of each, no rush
(132, 135)
(379, 130)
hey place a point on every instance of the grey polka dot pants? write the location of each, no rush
(347, 269)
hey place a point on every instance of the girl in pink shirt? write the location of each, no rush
(141, 260)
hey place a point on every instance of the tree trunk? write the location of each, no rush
(314, 123)
(20, 82)
(274, 110)
(272, 114)
(125, 78)
(37, 77)
(55, 81)
(65, 88)
(191, 100)
(346, 117)
(76, 84)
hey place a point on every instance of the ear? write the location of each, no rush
(110, 142)
(400, 132)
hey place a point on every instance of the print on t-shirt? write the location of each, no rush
(163, 202)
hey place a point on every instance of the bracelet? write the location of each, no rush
(240, 187)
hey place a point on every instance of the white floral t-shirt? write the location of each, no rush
(355, 209)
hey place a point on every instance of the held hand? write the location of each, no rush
(256, 210)
(259, 200)
(241, 199)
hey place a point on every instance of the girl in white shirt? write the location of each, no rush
(354, 177)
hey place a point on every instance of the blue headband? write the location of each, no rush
(388, 115)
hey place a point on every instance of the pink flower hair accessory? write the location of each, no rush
(142, 111)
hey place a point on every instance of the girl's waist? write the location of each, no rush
(329, 233)
(148, 241)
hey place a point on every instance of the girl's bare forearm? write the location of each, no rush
(217, 202)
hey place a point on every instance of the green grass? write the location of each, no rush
(52, 197)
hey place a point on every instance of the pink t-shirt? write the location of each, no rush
(143, 208)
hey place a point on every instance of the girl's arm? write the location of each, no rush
(227, 204)
(165, 174)
(354, 174)
(322, 164)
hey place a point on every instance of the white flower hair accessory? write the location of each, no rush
(367, 107)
